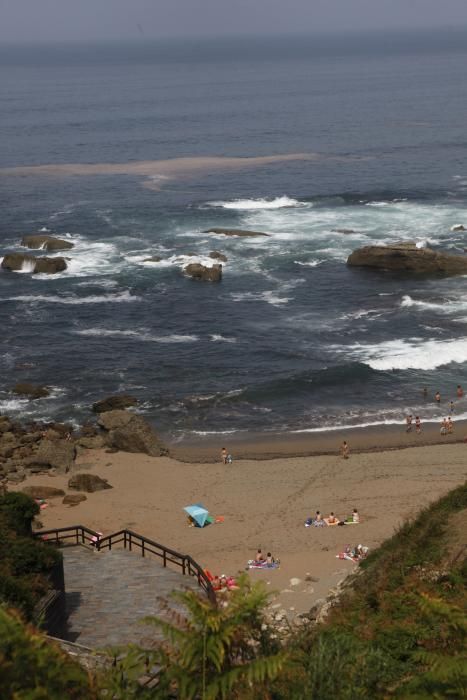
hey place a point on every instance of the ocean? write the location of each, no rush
(291, 339)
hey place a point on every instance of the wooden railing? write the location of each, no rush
(78, 534)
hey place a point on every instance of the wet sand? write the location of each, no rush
(264, 503)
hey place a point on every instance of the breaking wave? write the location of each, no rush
(250, 204)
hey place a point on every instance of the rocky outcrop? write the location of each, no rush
(74, 499)
(202, 272)
(58, 454)
(43, 491)
(215, 255)
(154, 258)
(236, 232)
(32, 391)
(35, 265)
(131, 433)
(37, 241)
(88, 482)
(458, 227)
(345, 231)
(113, 403)
(406, 257)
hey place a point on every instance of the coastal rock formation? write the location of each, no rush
(131, 433)
(343, 230)
(154, 258)
(59, 454)
(74, 499)
(43, 491)
(236, 232)
(38, 241)
(202, 272)
(458, 227)
(22, 261)
(215, 255)
(407, 257)
(88, 483)
(112, 403)
(32, 391)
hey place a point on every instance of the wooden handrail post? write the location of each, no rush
(129, 541)
(164, 558)
(142, 547)
(124, 539)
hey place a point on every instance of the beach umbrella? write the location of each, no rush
(198, 513)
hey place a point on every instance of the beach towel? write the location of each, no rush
(252, 564)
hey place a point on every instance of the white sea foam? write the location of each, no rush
(250, 204)
(220, 338)
(270, 297)
(44, 229)
(172, 261)
(142, 334)
(447, 307)
(310, 263)
(411, 354)
(71, 299)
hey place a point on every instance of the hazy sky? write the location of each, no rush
(43, 20)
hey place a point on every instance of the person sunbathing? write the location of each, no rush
(318, 521)
(270, 559)
(331, 519)
(259, 556)
(355, 516)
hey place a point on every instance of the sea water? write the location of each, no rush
(291, 339)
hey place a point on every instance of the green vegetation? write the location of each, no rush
(32, 668)
(25, 563)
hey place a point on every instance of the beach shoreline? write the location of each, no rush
(273, 445)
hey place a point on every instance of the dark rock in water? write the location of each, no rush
(33, 391)
(131, 433)
(406, 257)
(236, 232)
(74, 499)
(343, 230)
(202, 272)
(459, 227)
(20, 261)
(215, 255)
(43, 491)
(112, 403)
(154, 258)
(88, 483)
(45, 242)
(55, 453)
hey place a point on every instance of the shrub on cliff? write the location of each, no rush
(18, 510)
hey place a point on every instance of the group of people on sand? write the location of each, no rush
(268, 560)
(332, 519)
(447, 425)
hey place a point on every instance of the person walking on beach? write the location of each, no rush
(224, 455)
(418, 425)
(451, 407)
(408, 422)
(438, 398)
(345, 450)
(449, 425)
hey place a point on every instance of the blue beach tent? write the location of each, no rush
(198, 513)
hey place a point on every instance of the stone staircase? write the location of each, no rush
(108, 592)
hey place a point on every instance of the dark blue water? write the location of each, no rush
(291, 339)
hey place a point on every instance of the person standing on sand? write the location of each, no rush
(418, 425)
(438, 398)
(408, 422)
(460, 391)
(224, 455)
(449, 425)
(345, 450)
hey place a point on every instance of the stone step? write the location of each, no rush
(108, 592)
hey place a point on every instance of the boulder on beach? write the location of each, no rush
(74, 499)
(37, 241)
(131, 433)
(43, 491)
(59, 454)
(112, 403)
(215, 255)
(88, 482)
(406, 257)
(203, 272)
(32, 391)
(236, 232)
(35, 265)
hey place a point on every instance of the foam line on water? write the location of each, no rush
(68, 299)
(142, 335)
(411, 354)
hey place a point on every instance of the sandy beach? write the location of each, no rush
(264, 504)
